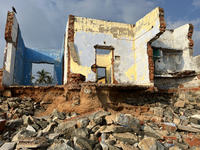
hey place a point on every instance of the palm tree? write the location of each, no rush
(49, 80)
(44, 77)
(32, 78)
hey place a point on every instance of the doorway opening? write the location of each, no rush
(103, 59)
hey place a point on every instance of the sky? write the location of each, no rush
(43, 22)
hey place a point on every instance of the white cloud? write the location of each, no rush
(43, 23)
(196, 3)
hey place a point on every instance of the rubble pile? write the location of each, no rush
(155, 126)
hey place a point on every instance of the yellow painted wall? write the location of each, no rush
(138, 34)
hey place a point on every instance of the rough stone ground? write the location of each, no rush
(99, 119)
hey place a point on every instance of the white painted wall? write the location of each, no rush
(66, 53)
(174, 61)
(14, 29)
(8, 72)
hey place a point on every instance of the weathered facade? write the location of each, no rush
(110, 53)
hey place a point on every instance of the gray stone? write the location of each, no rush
(53, 136)
(35, 126)
(158, 111)
(49, 128)
(32, 142)
(23, 134)
(27, 120)
(61, 146)
(13, 104)
(42, 124)
(30, 128)
(111, 147)
(57, 114)
(121, 119)
(11, 124)
(8, 146)
(14, 99)
(98, 147)
(80, 132)
(83, 122)
(126, 137)
(84, 143)
(66, 128)
(134, 123)
(150, 143)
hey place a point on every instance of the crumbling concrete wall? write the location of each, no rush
(129, 42)
(18, 58)
(177, 48)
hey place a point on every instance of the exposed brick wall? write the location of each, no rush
(8, 29)
(149, 48)
(70, 39)
(191, 43)
(151, 62)
(162, 20)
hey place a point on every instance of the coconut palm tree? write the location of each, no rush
(44, 77)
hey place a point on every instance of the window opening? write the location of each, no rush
(42, 74)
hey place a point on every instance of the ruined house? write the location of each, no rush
(144, 54)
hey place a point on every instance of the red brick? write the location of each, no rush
(170, 139)
(2, 124)
(168, 127)
(193, 142)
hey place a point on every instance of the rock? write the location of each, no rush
(53, 136)
(11, 124)
(7, 93)
(186, 128)
(35, 126)
(42, 124)
(127, 146)
(113, 129)
(134, 123)
(83, 122)
(126, 137)
(110, 119)
(150, 143)
(179, 103)
(8, 146)
(32, 142)
(180, 145)
(60, 146)
(5, 106)
(13, 104)
(80, 132)
(175, 148)
(66, 128)
(83, 143)
(151, 132)
(195, 119)
(98, 147)
(121, 119)
(57, 114)
(158, 111)
(177, 121)
(23, 134)
(30, 128)
(27, 120)
(111, 147)
(49, 128)
(95, 119)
